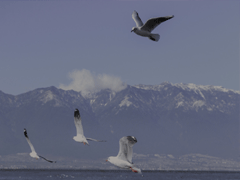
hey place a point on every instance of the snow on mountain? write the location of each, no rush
(190, 87)
(125, 102)
(191, 96)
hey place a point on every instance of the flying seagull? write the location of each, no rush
(33, 153)
(146, 29)
(80, 136)
(124, 157)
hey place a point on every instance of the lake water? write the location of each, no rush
(109, 175)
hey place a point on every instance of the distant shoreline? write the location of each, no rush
(115, 170)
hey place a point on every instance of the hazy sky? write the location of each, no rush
(59, 43)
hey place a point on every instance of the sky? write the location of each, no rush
(87, 45)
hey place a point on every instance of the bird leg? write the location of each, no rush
(133, 170)
(84, 143)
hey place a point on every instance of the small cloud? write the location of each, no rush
(85, 82)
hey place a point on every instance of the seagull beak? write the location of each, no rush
(106, 160)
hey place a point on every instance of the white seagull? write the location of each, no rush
(80, 136)
(124, 157)
(146, 29)
(33, 153)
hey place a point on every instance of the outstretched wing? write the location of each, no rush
(78, 122)
(137, 19)
(125, 148)
(152, 23)
(28, 140)
(47, 159)
(91, 139)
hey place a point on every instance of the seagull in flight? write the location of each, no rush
(124, 157)
(33, 153)
(80, 136)
(146, 29)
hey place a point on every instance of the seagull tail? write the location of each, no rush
(154, 37)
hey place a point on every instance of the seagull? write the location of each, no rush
(33, 153)
(124, 157)
(80, 136)
(146, 29)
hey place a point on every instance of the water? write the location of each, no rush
(109, 175)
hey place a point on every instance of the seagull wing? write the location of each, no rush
(125, 148)
(78, 122)
(122, 154)
(131, 141)
(28, 140)
(47, 159)
(137, 19)
(91, 139)
(152, 23)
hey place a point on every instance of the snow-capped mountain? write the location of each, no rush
(166, 118)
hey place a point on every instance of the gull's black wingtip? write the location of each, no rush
(51, 161)
(76, 113)
(132, 139)
(135, 12)
(102, 141)
(25, 133)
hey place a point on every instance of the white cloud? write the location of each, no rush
(86, 82)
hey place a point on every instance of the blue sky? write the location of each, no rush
(43, 42)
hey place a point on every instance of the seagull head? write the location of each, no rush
(134, 29)
(109, 159)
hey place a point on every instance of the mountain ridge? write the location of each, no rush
(179, 119)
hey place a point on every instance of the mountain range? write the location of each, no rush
(175, 119)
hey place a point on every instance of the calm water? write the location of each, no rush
(107, 175)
